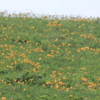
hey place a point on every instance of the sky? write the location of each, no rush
(84, 8)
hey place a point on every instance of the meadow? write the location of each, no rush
(49, 58)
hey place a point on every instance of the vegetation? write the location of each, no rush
(49, 58)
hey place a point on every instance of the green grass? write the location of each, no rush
(48, 58)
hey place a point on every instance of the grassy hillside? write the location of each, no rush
(47, 58)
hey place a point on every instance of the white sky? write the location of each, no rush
(84, 8)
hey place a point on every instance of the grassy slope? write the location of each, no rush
(42, 59)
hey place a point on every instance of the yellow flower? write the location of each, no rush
(9, 84)
(43, 85)
(64, 78)
(26, 60)
(34, 70)
(48, 82)
(61, 83)
(2, 54)
(83, 68)
(70, 95)
(56, 86)
(46, 16)
(49, 55)
(53, 72)
(59, 73)
(31, 80)
(28, 95)
(56, 40)
(78, 50)
(3, 98)
(40, 58)
(69, 44)
(84, 79)
(90, 84)
(67, 89)
(53, 76)
(24, 89)
(73, 56)
(36, 43)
